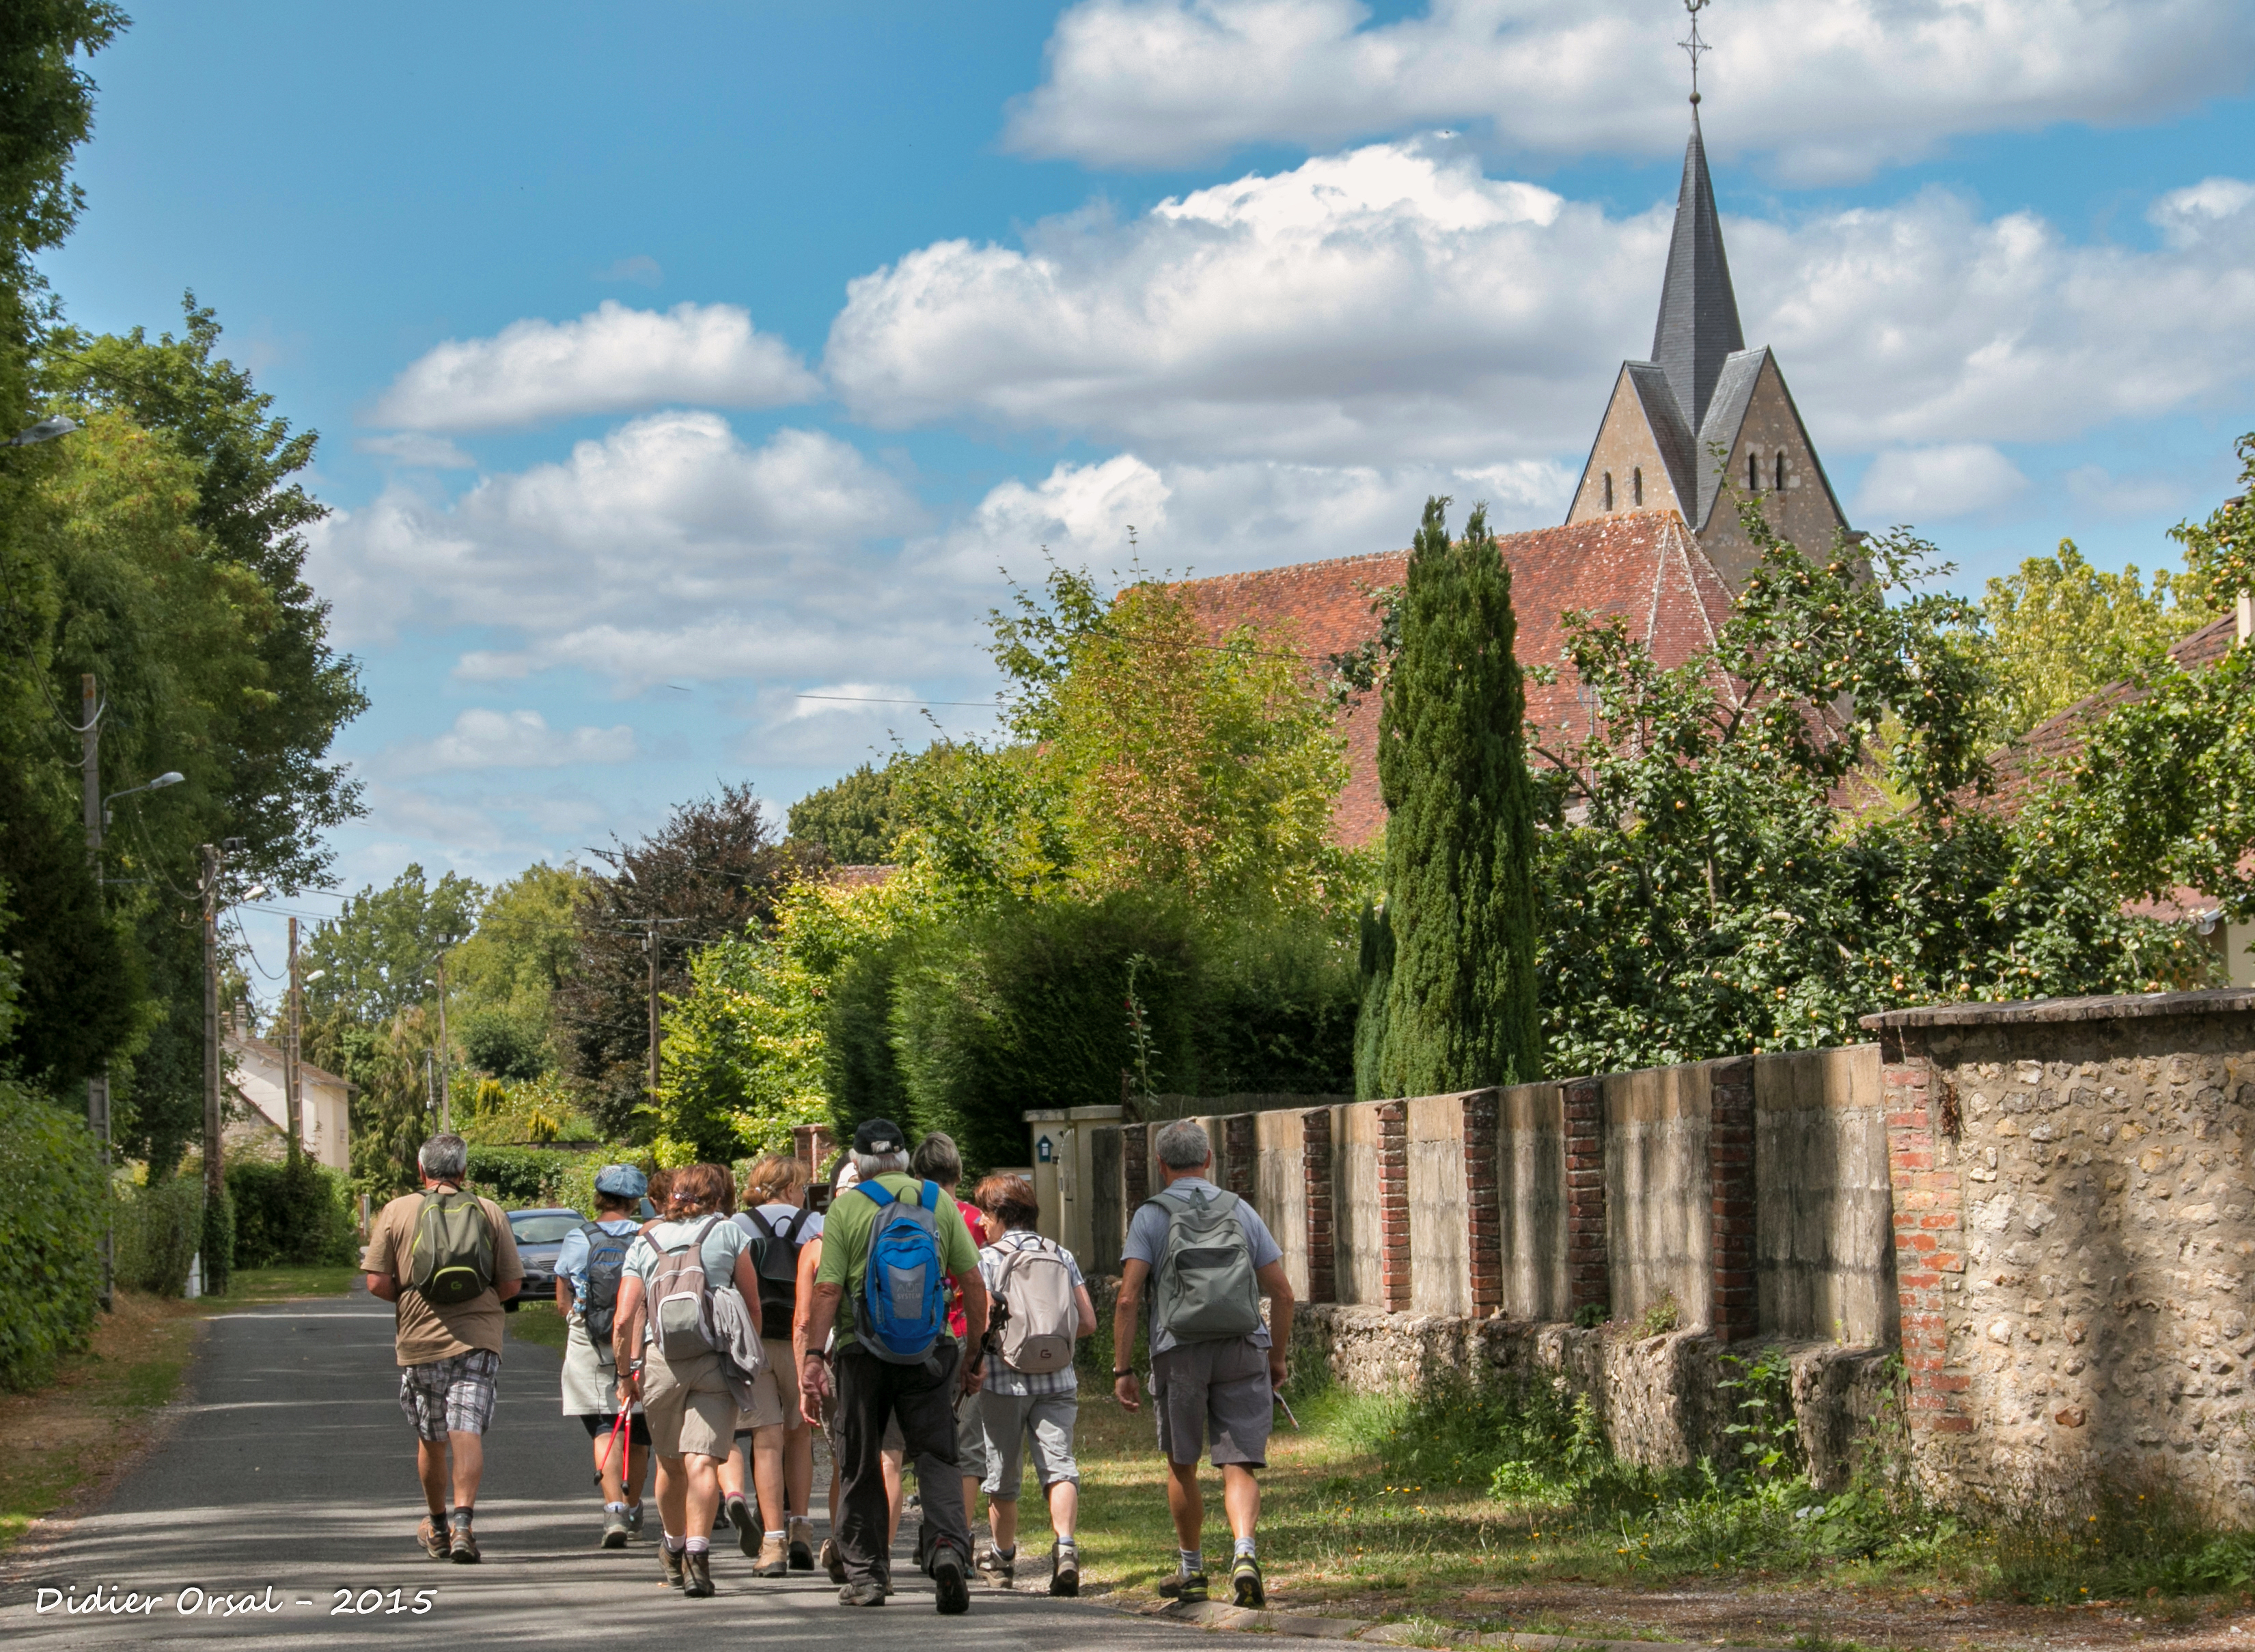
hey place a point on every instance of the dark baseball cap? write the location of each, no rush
(879, 1135)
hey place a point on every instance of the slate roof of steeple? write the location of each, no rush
(1698, 324)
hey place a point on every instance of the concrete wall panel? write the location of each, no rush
(1440, 1269)
(1361, 1279)
(1532, 1174)
(1280, 1192)
(1824, 1232)
(1656, 1190)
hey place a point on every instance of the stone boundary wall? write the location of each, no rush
(2075, 1233)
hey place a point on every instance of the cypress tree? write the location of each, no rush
(1460, 1010)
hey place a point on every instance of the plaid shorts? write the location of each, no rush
(451, 1395)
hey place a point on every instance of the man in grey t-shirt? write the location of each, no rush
(1224, 1388)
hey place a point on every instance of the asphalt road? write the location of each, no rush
(287, 1490)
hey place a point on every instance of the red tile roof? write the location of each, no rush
(1643, 565)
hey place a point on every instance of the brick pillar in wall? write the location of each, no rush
(1929, 1201)
(1320, 1169)
(813, 1144)
(1483, 1111)
(1241, 1135)
(1589, 1271)
(1733, 1308)
(1394, 1204)
(1134, 1167)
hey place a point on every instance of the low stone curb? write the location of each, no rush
(1213, 1614)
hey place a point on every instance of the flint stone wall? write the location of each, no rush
(2074, 1235)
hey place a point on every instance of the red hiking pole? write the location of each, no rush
(618, 1429)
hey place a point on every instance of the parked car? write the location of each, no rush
(539, 1235)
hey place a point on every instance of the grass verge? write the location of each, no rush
(540, 1322)
(72, 1434)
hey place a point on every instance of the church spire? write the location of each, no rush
(1698, 313)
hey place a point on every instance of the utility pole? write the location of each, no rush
(650, 946)
(293, 1106)
(97, 1088)
(215, 1182)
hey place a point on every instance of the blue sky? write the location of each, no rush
(673, 362)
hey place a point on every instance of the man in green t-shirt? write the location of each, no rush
(917, 1388)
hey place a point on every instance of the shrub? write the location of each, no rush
(159, 1229)
(217, 1246)
(50, 1213)
(289, 1214)
(520, 1176)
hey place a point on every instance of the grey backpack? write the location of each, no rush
(1203, 1288)
(1043, 1313)
(680, 1299)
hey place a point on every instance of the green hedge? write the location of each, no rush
(520, 1176)
(159, 1230)
(291, 1215)
(51, 1214)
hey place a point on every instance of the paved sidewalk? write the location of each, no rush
(287, 1489)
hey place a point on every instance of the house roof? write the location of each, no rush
(1644, 565)
(272, 1053)
(1698, 328)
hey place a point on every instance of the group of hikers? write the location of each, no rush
(715, 1329)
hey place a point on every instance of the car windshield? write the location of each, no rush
(542, 1230)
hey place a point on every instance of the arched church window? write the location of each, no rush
(1754, 473)
(1636, 485)
(1780, 469)
(1609, 490)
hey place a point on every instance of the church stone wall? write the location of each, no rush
(1623, 445)
(1803, 513)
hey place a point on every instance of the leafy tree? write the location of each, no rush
(2220, 552)
(506, 973)
(853, 820)
(1724, 869)
(2065, 630)
(1460, 996)
(711, 873)
(377, 955)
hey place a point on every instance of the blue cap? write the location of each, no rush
(623, 1179)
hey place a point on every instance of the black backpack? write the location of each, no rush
(778, 1269)
(607, 1265)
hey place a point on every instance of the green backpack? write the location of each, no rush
(1203, 1288)
(452, 1258)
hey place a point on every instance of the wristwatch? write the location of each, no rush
(1129, 1372)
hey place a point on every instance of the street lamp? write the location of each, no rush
(45, 430)
(169, 778)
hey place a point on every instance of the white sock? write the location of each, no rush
(772, 1537)
(1190, 1560)
(674, 1543)
(1245, 1548)
(615, 1509)
(697, 1545)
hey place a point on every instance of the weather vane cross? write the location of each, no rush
(1694, 45)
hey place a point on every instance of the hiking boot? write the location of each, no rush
(634, 1520)
(614, 1529)
(1245, 1582)
(773, 1560)
(1064, 1571)
(436, 1542)
(831, 1562)
(738, 1512)
(947, 1582)
(465, 1546)
(671, 1559)
(1188, 1587)
(697, 1574)
(1002, 1568)
(871, 1593)
(802, 1543)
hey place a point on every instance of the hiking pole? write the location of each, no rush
(1278, 1396)
(618, 1429)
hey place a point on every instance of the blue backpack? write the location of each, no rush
(903, 1295)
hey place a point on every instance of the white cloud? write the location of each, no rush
(1221, 518)
(611, 359)
(484, 738)
(1921, 484)
(668, 550)
(1392, 307)
(849, 700)
(414, 448)
(1829, 88)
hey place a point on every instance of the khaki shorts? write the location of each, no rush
(689, 1405)
(768, 1407)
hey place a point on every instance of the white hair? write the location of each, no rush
(872, 1165)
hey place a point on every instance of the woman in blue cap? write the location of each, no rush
(588, 1268)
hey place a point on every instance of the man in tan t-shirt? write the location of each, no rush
(451, 1355)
